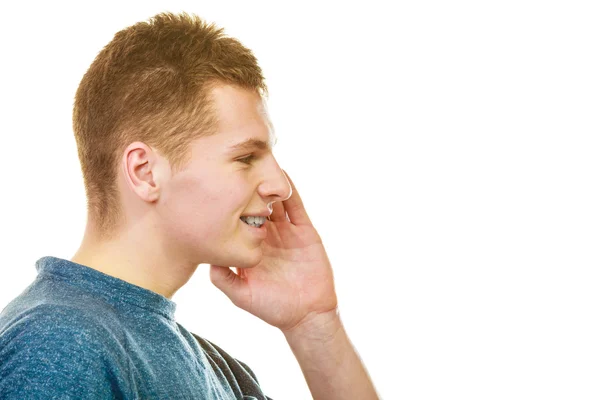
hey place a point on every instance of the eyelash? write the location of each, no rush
(248, 159)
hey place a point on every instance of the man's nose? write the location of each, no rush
(276, 185)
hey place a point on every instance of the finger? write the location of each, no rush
(228, 282)
(278, 213)
(294, 206)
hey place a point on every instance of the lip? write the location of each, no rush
(260, 233)
(265, 213)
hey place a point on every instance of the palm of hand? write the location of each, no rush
(294, 278)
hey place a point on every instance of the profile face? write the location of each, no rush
(199, 208)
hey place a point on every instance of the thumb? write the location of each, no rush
(228, 282)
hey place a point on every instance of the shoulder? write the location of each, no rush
(55, 350)
(239, 371)
(66, 325)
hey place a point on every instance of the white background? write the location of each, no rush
(447, 153)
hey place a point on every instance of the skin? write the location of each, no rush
(174, 222)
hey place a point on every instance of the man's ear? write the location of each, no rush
(141, 167)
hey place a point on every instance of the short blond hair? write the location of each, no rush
(152, 84)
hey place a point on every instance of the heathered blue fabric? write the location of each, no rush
(77, 333)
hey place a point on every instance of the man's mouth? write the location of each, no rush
(254, 221)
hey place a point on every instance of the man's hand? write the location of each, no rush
(294, 281)
(292, 288)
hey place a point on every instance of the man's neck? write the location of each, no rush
(153, 276)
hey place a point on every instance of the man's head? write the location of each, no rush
(155, 118)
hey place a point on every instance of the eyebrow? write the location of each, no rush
(253, 144)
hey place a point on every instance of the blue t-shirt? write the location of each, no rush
(77, 333)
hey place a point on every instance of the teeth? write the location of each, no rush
(254, 221)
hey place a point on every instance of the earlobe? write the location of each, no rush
(152, 195)
(151, 188)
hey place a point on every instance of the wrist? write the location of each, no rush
(316, 327)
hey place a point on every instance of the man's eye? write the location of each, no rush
(247, 159)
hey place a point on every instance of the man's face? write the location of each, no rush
(200, 207)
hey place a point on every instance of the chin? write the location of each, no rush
(249, 258)
(250, 262)
(240, 258)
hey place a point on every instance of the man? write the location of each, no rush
(175, 145)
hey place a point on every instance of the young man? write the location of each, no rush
(175, 145)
